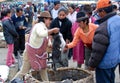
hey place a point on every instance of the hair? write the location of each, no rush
(4, 13)
(41, 19)
(64, 10)
(107, 9)
(86, 20)
(56, 2)
(73, 6)
(80, 14)
(18, 9)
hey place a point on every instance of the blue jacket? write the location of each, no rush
(18, 21)
(9, 31)
(106, 43)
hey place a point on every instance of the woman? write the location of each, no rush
(10, 35)
(85, 32)
(64, 25)
(78, 50)
(34, 55)
(72, 13)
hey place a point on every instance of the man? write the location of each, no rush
(29, 15)
(105, 54)
(20, 25)
(55, 10)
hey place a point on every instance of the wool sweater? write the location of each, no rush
(38, 33)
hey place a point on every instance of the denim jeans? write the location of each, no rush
(105, 75)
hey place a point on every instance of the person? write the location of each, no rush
(106, 44)
(34, 55)
(78, 50)
(89, 11)
(64, 25)
(54, 11)
(72, 13)
(10, 35)
(29, 15)
(72, 17)
(85, 32)
(20, 25)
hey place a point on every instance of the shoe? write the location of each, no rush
(12, 66)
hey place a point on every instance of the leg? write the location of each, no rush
(25, 67)
(79, 65)
(16, 47)
(44, 74)
(10, 59)
(87, 56)
(22, 42)
(105, 75)
(70, 53)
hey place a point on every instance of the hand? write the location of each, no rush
(24, 27)
(65, 49)
(56, 30)
(91, 68)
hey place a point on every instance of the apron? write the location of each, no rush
(37, 56)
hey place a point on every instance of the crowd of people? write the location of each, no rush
(91, 34)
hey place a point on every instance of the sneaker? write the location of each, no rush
(12, 65)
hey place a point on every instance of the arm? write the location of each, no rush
(43, 31)
(40, 30)
(25, 22)
(75, 39)
(11, 28)
(99, 46)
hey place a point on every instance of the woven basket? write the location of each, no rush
(63, 75)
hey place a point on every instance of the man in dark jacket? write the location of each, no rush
(105, 54)
(20, 25)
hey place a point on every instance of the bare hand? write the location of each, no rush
(65, 49)
(23, 27)
(56, 30)
(91, 68)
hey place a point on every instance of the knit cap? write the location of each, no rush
(103, 4)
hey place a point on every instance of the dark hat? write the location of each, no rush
(45, 14)
(80, 14)
(82, 18)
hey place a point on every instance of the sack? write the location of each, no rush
(17, 80)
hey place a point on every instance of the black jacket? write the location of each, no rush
(9, 31)
(65, 27)
(100, 42)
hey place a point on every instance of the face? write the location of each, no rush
(101, 13)
(82, 24)
(57, 6)
(71, 10)
(47, 22)
(9, 14)
(62, 15)
(20, 13)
